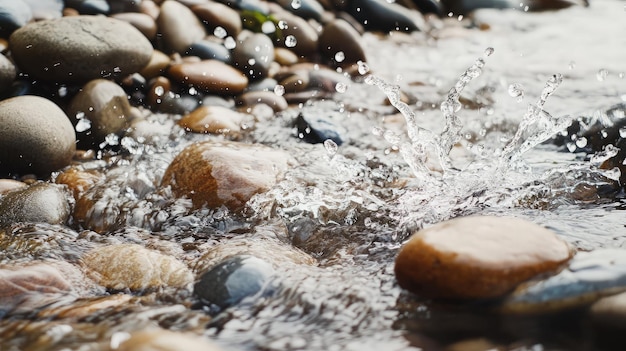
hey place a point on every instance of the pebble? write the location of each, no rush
(269, 98)
(38, 203)
(224, 174)
(14, 14)
(79, 49)
(588, 277)
(298, 35)
(156, 66)
(233, 280)
(179, 26)
(210, 76)
(100, 109)
(214, 120)
(131, 266)
(382, 16)
(8, 185)
(207, 50)
(36, 136)
(216, 15)
(78, 181)
(314, 129)
(307, 9)
(144, 23)
(7, 73)
(477, 257)
(165, 340)
(89, 7)
(340, 43)
(254, 55)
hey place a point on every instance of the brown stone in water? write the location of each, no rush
(210, 76)
(78, 181)
(215, 15)
(215, 174)
(269, 98)
(477, 257)
(156, 66)
(214, 120)
(144, 23)
(165, 340)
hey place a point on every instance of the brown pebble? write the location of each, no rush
(210, 76)
(214, 120)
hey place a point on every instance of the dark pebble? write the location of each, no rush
(316, 130)
(207, 50)
(379, 15)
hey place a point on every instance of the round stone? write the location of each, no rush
(179, 26)
(214, 120)
(210, 76)
(38, 203)
(341, 43)
(477, 257)
(80, 48)
(254, 56)
(131, 266)
(224, 174)
(269, 98)
(100, 109)
(36, 136)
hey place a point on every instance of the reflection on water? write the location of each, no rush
(351, 206)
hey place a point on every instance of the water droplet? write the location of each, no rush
(340, 56)
(602, 74)
(282, 25)
(572, 65)
(268, 27)
(220, 32)
(290, 41)
(279, 90)
(391, 137)
(83, 124)
(251, 61)
(489, 51)
(378, 131)
(622, 132)
(581, 142)
(341, 87)
(331, 147)
(516, 90)
(230, 43)
(363, 68)
(296, 4)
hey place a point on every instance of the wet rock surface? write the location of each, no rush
(42, 202)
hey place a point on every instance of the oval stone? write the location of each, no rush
(254, 55)
(211, 76)
(38, 203)
(36, 136)
(131, 266)
(228, 174)
(477, 257)
(78, 49)
(214, 120)
(179, 26)
(341, 43)
(99, 109)
(214, 15)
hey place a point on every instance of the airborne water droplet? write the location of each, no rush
(516, 90)
(581, 142)
(296, 4)
(230, 43)
(290, 41)
(220, 32)
(340, 56)
(489, 51)
(363, 68)
(331, 147)
(341, 87)
(602, 74)
(279, 90)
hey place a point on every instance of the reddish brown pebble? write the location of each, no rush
(210, 76)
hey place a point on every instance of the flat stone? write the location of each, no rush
(38, 203)
(156, 66)
(100, 108)
(299, 29)
(131, 266)
(179, 26)
(214, 120)
(224, 174)
(210, 76)
(477, 257)
(79, 49)
(36, 136)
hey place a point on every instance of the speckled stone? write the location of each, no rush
(38, 203)
(36, 136)
(78, 49)
(477, 257)
(224, 174)
(131, 266)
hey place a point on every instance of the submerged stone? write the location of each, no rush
(165, 340)
(589, 276)
(131, 266)
(224, 174)
(234, 279)
(477, 257)
(38, 203)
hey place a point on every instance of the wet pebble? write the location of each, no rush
(207, 50)
(36, 136)
(477, 257)
(78, 181)
(298, 35)
(38, 203)
(219, 17)
(156, 66)
(7, 73)
(144, 23)
(314, 129)
(165, 340)
(254, 55)
(14, 14)
(214, 120)
(78, 49)
(8, 185)
(179, 26)
(131, 266)
(340, 43)
(210, 76)
(233, 280)
(589, 276)
(224, 174)
(383, 16)
(100, 109)
(269, 98)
